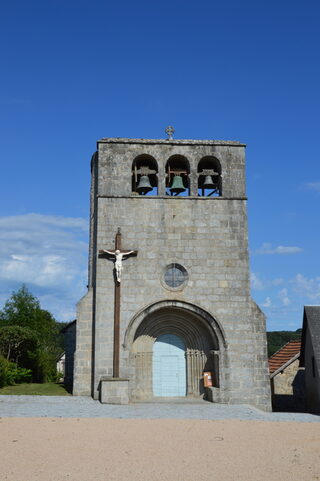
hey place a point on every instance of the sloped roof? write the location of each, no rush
(311, 321)
(285, 356)
(65, 328)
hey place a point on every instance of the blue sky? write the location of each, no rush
(73, 72)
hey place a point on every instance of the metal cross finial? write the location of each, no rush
(170, 131)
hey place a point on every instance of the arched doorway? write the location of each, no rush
(169, 366)
(172, 328)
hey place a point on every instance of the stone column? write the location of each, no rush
(161, 183)
(193, 179)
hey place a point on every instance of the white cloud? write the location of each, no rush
(284, 297)
(313, 186)
(49, 254)
(256, 283)
(310, 288)
(278, 281)
(267, 302)
(267, 248)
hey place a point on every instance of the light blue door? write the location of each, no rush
(169, 366)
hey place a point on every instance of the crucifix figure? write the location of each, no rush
(118, 259)
(118, 255)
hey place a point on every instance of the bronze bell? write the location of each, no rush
(208, 183)
(144, 185)
(177, 185)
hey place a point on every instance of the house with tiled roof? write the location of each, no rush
(287, 379)
(310, 356)
(284, 357)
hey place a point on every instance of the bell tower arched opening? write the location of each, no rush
(209, 177)
(145, 175)
(177, 176)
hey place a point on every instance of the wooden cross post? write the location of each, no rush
(118, 256)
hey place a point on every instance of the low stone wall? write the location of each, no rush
(288, 390)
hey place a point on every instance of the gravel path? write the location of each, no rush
(85, 407)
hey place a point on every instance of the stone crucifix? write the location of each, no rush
(118, 255)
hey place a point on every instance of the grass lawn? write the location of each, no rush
(33, 389)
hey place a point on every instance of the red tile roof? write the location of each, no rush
(284, 355)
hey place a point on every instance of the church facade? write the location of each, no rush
(168, 311)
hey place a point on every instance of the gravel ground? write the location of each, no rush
(85, 407)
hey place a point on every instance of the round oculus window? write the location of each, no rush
(175, 276)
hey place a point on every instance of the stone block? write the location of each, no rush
(114, 390)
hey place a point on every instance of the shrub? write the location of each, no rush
(11, 374)
(43, 365)
(4, 366)
(16, 375)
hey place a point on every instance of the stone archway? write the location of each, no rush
(201, 334)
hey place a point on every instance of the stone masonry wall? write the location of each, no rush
(283, 382)
(208, 236)
(85, 347)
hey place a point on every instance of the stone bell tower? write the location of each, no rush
(168, 305)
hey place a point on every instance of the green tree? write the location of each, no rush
(20, 309)
(23, 310)
(15, 341)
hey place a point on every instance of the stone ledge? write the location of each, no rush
(122, 140)
(216, 395)
(169, 197)
(110, 378)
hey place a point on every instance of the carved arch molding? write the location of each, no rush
(203, 337)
